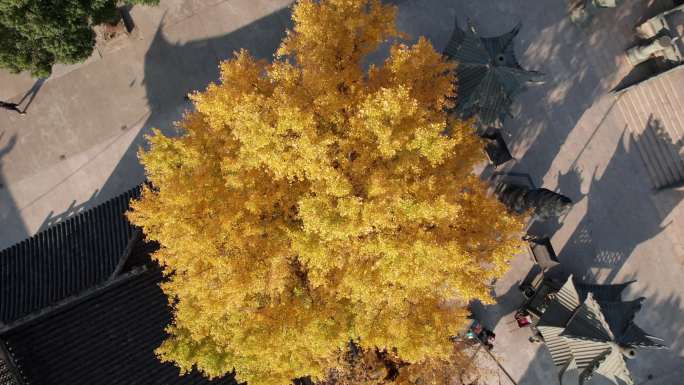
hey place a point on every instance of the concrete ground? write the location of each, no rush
(76, 146)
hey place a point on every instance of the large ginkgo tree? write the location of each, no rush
(318, 199)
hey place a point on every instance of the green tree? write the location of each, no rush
(36, 34)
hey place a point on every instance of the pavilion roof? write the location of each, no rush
(586, 333)
(489, 75)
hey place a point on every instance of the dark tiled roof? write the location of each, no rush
(602, 293)
(106, 337)
(620, 315)
(139, 253)
(489, 75)
(64, 259)
(588, 323)
(585, 335)
(635, 336)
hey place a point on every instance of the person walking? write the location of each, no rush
(11, 107)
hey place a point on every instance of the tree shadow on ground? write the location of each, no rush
(617, 220)
(506, 303)
(174, 70)
(665, 162)
(581, 65)
(9, 212)
(171, 71)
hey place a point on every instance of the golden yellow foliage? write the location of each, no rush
(356, 366)
(312, 201)
(457, 368)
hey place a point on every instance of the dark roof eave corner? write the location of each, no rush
(137, 236)
(471, 26)
(537, 78)
(455, 40)
(516, 29)
(510, 35)
(8, 359)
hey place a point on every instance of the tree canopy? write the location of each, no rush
(356, 366)
(36, 34)
(316, 200)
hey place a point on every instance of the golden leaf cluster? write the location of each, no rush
(317, 199)
(357, 366)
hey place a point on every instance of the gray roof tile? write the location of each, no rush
(489, 75)
(64, 260)
(106, 337)
(586, 339)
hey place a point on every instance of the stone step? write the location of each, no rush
(653, 168)
(654, 113)
(671, 121)
(655, 128)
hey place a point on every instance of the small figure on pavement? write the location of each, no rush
(11, 107)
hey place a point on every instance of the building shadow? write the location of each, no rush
(172, 70)
(619, 216)
(662, 155)
(661, 316)
(506, 303)
(73, 209)
(652, 67)
(639, 73)
(581, 65)
(14, 227)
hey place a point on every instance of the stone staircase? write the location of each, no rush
(653, 111)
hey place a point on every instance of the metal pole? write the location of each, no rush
(500, 366)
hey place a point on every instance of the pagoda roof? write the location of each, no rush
(602, 293)
(489, 75)
(587, 333)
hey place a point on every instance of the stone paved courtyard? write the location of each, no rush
(76, 146)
